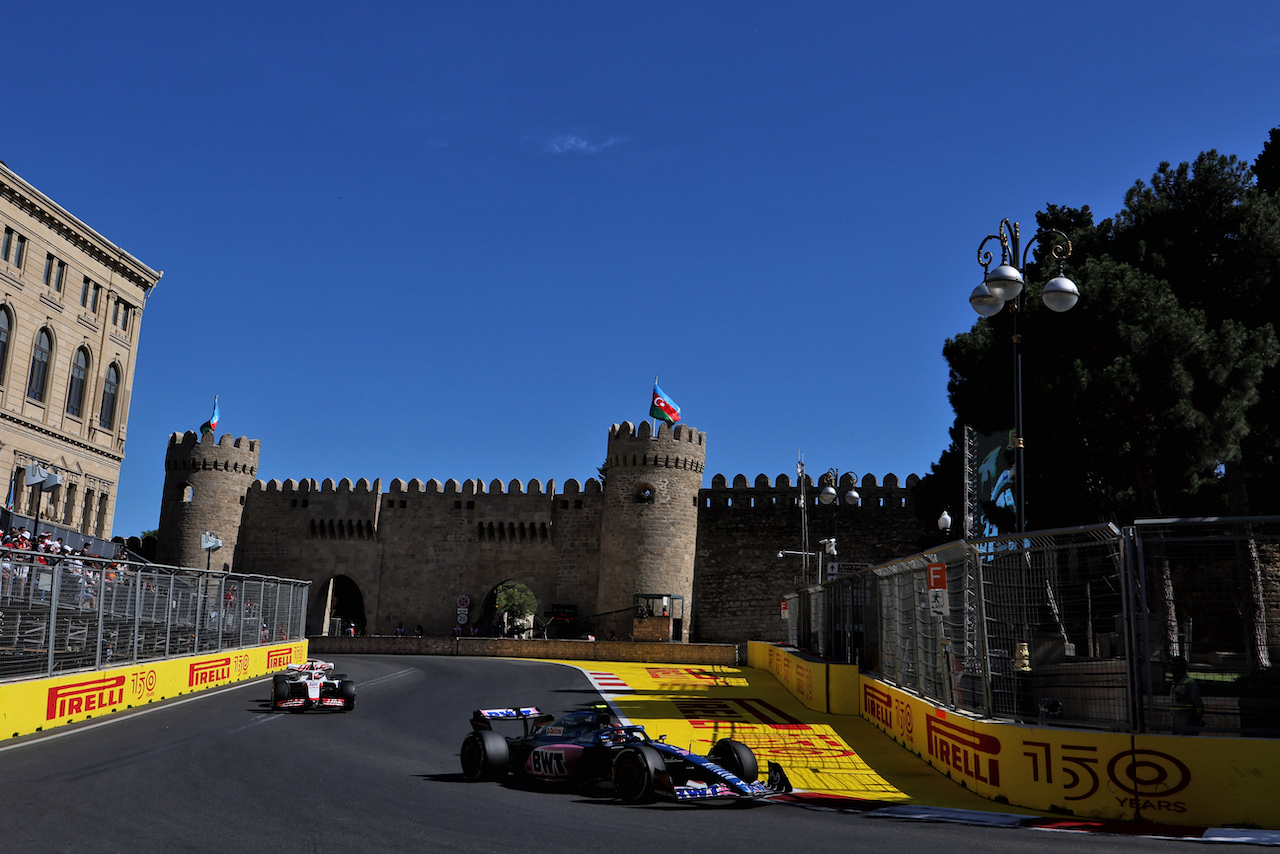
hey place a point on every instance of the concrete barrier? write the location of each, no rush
(561, 650)
(34, 705)
(1211, 781)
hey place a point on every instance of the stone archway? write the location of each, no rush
(346, 609)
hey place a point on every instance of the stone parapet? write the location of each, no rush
(560, 650)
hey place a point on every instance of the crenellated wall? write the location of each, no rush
(741, 581)
(412, 548)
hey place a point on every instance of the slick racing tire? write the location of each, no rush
(484, 755)
(633, 773)
(347, 691)
(279, 690)
(736, 758)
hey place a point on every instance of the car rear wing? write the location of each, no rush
(484, 718)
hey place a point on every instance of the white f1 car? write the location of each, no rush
(312, 685)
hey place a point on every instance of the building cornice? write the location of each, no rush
(36, 427)
(43, 209)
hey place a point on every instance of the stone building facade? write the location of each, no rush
(71, 307)
(702, 560)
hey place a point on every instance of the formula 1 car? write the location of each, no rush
(588, 747)
(312, 685)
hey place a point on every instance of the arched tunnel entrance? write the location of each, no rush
(345, 608)
(510, 611)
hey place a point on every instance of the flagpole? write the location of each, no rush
(651, 415)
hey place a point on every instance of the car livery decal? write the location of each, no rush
(553, 761)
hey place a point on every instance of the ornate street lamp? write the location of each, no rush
(1005, 286)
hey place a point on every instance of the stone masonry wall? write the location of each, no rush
(740, 581)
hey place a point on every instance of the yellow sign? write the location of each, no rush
(27, 707)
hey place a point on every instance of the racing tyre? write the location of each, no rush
(347, 691)
(736, 758)
(484, 755)
(633, 772)
(279, 690)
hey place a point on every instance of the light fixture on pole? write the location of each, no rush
(1005, 286)
(944, 522)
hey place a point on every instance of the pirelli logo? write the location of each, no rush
(878, 704)
(209, 672)
(79, 698)
(278, 658)
(971, 753)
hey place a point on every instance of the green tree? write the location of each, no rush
(514, 604)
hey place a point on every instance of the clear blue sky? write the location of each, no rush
(459, 240)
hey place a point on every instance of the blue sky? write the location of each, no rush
(459, 240)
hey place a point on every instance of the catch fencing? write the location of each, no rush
(82, 613)
(1076, 627)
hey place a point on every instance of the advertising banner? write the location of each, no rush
(1179, 780)
(40, 704)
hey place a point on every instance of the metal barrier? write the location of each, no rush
(59, 615)
(1074, 626)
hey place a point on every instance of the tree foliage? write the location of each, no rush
(514, 604)
(1159, 393)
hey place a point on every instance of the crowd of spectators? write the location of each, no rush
(20, 553)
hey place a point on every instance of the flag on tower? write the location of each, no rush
(212, 424)
(663, 407)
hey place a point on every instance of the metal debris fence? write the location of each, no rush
(81, 613)
(1073, 627)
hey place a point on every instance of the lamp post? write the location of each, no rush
(1005, 286)
(829, 496)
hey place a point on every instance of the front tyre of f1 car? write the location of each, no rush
(347, 691)
(484, 755)
(279, 690)
(736, 758)
(633, 773)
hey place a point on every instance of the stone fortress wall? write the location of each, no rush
(412, 549)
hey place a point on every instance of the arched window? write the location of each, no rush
(4, 341)
(187, 494)
(75, 389)
(39, 376)
(107, 419)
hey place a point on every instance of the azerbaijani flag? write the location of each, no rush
(212, 424)
(663, 407)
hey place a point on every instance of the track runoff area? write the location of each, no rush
(838, 761)
(834, 762)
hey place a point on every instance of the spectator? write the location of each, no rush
(418, 631)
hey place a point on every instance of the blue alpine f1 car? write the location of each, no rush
(588, 746)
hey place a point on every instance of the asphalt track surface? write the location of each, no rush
(218, 771)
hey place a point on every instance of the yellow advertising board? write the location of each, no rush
(1182, 780)
(40, 704)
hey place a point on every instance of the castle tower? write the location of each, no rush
(649, 523)
(204, 490)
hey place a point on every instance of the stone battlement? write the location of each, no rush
(784, 482)
(431, 487)
(676, 447)
(190, 451)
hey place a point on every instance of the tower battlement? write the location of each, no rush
(191, 451)
(676, 447)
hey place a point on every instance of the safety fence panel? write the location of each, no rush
(1208, 597)
(60, 615)
(1084, 626)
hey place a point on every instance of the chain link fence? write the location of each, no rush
(82, 613)
(1079, 626)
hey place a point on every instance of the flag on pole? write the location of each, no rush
(212, 424)
(663, 407)
(13, 483)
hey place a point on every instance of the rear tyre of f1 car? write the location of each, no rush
(279, 690)
(633, 773)
(736, 758)
(484, 755)
(347, 691)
